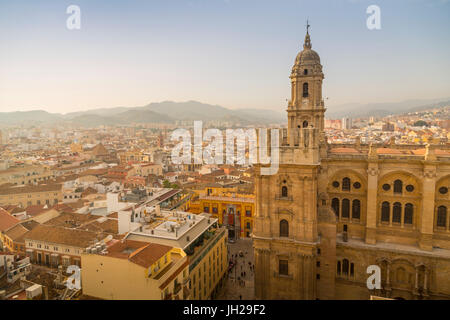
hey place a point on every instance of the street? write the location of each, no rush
(239, 285)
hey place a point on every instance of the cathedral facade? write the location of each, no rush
(333, 210)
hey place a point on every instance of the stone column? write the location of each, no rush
(428, 195)
(372, 191)
(416, 284)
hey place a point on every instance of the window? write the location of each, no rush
(386, 187)
(284, 192)
(346, 184)
(345, 265)
(409, 188)
(284, 228)
(248, 213)
(335, 206)
(443, 190)
(305, 90)
(335, 184)
(398, 186)
(397, 212)
(345, 208)
(283, 267)
(357, 185)
(385, 214)
(356, 209)
(442, 216)
(206, 209)
(352, 269)
(305, 124)
(338, 268)
(305, 72)
(409, 212)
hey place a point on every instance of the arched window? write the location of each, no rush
(305, 124)
(442, 216)
(397, 212)
(284, 192)
(335, 206)
(398, 186)
(345, 208)
(345, 265)
(338, 268)
(305, 90)
(346, 184)
(356, 209)
(409, 213)
(284, 228)
(385, 208)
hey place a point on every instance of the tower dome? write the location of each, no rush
(307, 57)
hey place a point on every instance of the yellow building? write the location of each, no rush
(199, 236)
(136, 270)
(76, 148)
(27, 174)
(24, 196)
(133, 156)
(146, 169)
(235, 211)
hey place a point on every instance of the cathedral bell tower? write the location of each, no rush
(287, 231)
(306, 107)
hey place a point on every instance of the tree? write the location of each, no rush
(420, 123)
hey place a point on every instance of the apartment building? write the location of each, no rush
(199, 236)
(27, 174)
(28, 195)
(136, 270)
(52, 246)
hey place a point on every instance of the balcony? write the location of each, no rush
(168, 297)
(177, 287)
(204, 246)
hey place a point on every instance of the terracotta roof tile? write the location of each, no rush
(7, 220)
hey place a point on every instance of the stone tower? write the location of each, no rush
(288, 233)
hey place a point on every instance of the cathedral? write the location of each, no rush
(332, 210)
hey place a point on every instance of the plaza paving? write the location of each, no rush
(232, 289)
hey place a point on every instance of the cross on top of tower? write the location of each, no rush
(307, 44)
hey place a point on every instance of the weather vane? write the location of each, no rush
(307, 26)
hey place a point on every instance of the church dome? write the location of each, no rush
(307, 56)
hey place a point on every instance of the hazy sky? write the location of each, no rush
(235, 53)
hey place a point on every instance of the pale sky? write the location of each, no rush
(234, 53)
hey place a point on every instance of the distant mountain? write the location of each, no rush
(23, 117)
(264, 116)
(161, 112)
(170, 112)
(355, 110)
